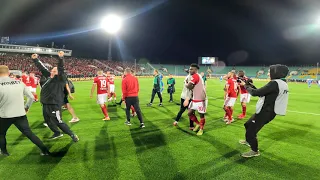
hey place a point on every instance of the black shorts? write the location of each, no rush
(65, 100)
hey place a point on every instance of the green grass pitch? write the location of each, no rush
(289, 145)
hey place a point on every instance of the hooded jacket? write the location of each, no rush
(275, 93)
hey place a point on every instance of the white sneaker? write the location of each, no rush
(229, 122)
(45, 124)
(74, 120)
(244, 142)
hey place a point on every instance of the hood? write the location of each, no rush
(278, 71)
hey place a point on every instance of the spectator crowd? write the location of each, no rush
(74, 67)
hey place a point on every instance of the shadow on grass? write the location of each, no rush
(268, 162)
(226, 152)
(46, 163)
(156, 161)
(293, 136)
(105, 156)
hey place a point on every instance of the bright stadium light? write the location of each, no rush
(111, 24)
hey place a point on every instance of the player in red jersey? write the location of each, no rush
(244, 95)
(34, 81)
(18, 78)
(26, 80)
(111, 88)
(230, 96)
(199, 100)
(101, 82)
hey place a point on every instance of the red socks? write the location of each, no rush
(202, 122)
(35, 97)
(229, 113)
(244, 110)
(105, 111)
(194, 118)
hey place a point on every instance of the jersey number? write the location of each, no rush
(200, 108)
(235, 86)
(103, 83)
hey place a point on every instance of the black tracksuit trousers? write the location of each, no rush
(254, 125)
(23, 125)
(53, 117)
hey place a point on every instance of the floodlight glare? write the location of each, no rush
(318, 21)
(111, 24)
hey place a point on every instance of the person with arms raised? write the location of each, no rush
(52, 96)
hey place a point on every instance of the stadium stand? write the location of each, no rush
(81, 67)
(75, 67)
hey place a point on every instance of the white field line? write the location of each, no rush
(298, 112)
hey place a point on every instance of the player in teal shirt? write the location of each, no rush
(171, 82)
(204, 78)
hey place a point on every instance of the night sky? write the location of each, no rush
(239, 32)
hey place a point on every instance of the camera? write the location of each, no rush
(239, 79)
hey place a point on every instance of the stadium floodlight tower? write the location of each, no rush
(111, 24)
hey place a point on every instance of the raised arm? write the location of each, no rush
(61, 73)
(265, 90)
(44, 71)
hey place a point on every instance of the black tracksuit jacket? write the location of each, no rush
(52, 89)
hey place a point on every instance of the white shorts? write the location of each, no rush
(101, 98)
(245, 98)
(29, 88)
(201, 107)
(33, 90)
(230, 101)
(112, 87)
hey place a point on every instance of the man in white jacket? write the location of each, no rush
(186, 96)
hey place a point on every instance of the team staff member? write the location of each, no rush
(130, 91)
(171, 82)
(273, 100)
(13, 110)
(52, 96)
(156, 88)
(204, 78)
(186, 98)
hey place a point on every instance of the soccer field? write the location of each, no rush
(289, 145)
